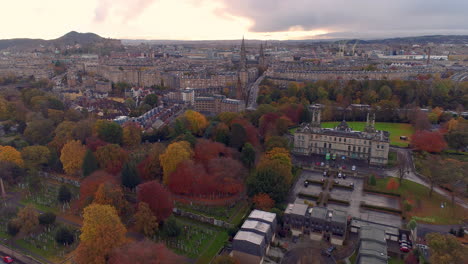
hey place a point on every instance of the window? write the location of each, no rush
(335, 139)
(359, 149)
(349, 148)
(344, 140)
(324, 145)
(339, 139)
(329, 145)
(354, 148)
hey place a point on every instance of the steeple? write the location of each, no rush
(239, 90)
(261, 59)
(243, 57)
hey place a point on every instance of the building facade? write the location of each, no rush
(217, 104)
(370, 145)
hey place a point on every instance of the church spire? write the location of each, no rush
(243, 57)
(261, 58)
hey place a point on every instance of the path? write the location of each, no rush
(413, 176)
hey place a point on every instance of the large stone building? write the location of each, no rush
(217, 104)
(370, 145)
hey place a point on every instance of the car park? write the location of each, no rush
(7, 259)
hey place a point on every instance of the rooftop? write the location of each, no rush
(319, 212)
(339, 216)
(297, 209)
(266, 216)
(249, 237)
(256, 225)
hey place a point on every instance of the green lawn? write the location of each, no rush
(424, 208)
(395, 261)
(224, 213)
(214, 248)
(396, 130)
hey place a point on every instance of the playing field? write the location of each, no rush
(396, 130)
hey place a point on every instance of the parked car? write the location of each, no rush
(7, 259)
(322, 164)
(340, 175)
(344, 175)
(404, 244)
(330, 250)
(353, 168)
(306, 183)
(343, 167)
(405, 249)
(317, 163)
(325, 173)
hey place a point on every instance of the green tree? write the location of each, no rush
(130, 177)
(109, 131)
(151, 99)
(248, 155)
(39, 131)
(270, 181)
(64, 236)
(238, 136)
(35, 156)
(47, 219)
(171, 228)
(446, 249)
(372, 180)
(90, 163)
(64, 194)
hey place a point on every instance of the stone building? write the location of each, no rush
(372, 246)
(217, 104)
(370, 145)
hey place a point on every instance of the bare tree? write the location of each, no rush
(402, 166)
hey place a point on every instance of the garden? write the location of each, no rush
(417, 203)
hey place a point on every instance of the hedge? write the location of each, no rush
(380, 208)
(332, 200)
(342, 186)
(315, 182)
(381, 192)
(309, 196)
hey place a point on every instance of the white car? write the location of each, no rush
(339, 175)
(353, 168)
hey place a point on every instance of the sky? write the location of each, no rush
(232, 19)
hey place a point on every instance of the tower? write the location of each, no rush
(316, 112)
(261, 59)
(240, 94)
(243, 57)
(370, 123)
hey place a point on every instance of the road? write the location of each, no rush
(412, 176)
(253, 93)
(16, 261)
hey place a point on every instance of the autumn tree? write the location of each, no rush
(392, 184)
(150, 168)
(248, 155)
(90, 163)
(145, 221)
(10, 154)
(129, 176)
(101, 233)
(111, 194)
(428, 141)
(131, 134)
(276, 142)
(111, 158)
(90, 185)
(63, 134)
(221, 133)
(430, 168)
(197, 122)
(225, 259)
(35, 157)
(28, 219)
(173, 156)
(39, 131)
(457, 136)
(205, 150)
(263, 201)
(237, 137)
(72, 157)
(109, 131)
(144, 252)
(446, 249)
(157, 197)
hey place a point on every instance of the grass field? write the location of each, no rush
(396, 130)
(425, 209)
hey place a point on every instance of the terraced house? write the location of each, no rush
(370, 145)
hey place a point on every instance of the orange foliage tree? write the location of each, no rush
(150, 168)
(72, 156)
(111, 157)
(157, 197)
(173, 156)
(101, 233)
(131, 134)
(111, 194)
(196, 121)
(90, 185)
(263, 201)
(428, 141)
(392, 184)
(10, 154)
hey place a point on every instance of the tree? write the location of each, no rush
(111, 158)
(392, 184)
(457, 137)
(157, 197)
(237, 137)
(248, 155)
(221, 133)
(64, 194)
(90, 163)
(428, 141)
(90, 185)
(150, 168)
(28, 219)
(47, 219)
(263, 201)
(35, 156)
(10, 154)
(39, 131)
(13, 227)
(111, 194)
(276, 142)
(197, 122)
(446, 249)
(145, 221)
(173, 156)
(129, 176)
(372, 180)
(109, 131)
(171, 228)
(131, 134)
(402, 167)
(144, 252)
(151, 99)
(64, 236)
(102, 232)
(270, 181)
(72, 156)
(225, 259)
(431, 170)
(63, 134)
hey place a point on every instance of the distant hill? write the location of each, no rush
(71, 38)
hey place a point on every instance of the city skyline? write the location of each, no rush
(223, 19)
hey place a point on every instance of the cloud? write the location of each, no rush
(352, 15)
(125, 8)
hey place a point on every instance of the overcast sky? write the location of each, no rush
(231, 19)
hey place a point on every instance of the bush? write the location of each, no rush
(64, 236)
(47, 219)
(13, 227)
(381, 208)
(64, 195)
(171, 228)
(372, 180)
(461, 232)
(407, 206)
(381, 192)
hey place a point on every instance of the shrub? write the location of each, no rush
(372, 180)
(64, 195)
(47, 219)
(407, 206)
(13, 227)
(64, 236)
(171, 228)
(461, 232)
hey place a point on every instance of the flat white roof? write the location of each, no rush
(256, 225)
(249, 237)
(269, 217)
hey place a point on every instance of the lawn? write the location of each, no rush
(395, 261)
(424, 208)
(197, 241)
(396, 130)
(224, 213)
